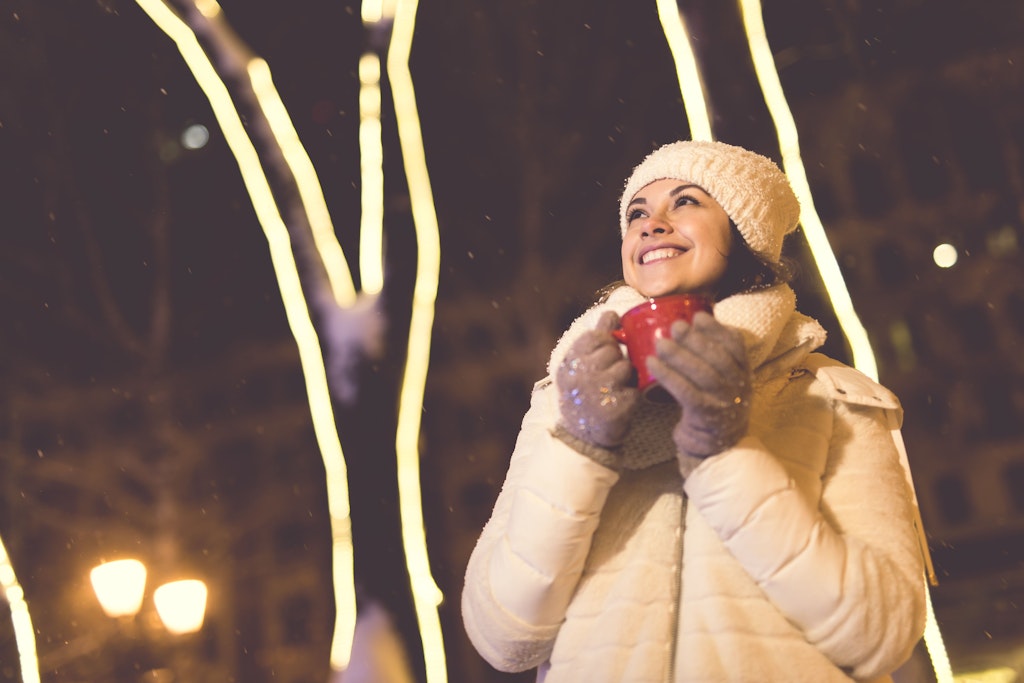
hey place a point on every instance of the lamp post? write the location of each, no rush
(120, 587)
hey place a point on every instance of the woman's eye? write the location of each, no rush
(633, 215)
(685, 199)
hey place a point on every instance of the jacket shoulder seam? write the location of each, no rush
(849, 385)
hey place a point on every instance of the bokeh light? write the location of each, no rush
(195, 136)
(945, 255)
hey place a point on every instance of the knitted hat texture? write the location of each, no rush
(753, 191)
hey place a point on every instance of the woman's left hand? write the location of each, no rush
(704, 367)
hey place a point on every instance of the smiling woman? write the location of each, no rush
(759, 526)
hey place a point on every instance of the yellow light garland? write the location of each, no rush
(296, 311)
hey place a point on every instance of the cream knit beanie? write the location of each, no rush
(753, 191)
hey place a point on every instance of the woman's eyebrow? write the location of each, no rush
(684, 187)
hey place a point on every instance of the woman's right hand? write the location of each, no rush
(595, 398)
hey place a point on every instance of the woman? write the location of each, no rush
(758, 528)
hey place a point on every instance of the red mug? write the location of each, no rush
(641, 326)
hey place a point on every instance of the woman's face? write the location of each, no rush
(677, 240)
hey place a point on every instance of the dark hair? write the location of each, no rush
(745, 271)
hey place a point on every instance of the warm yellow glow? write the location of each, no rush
(933, 641)
(21, 620)
(814, 231)
(690, 83)
(208, 8)
(1002, 674)
(119, 586)
(426, 595)
(306, 180)
(181, 605)
(371, 169)
(310, 358)
(945, 255)
(856, 335)
(374, 11)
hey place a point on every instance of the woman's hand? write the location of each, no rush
(595, 399)
(704, 367)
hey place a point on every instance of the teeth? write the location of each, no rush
(658, 254)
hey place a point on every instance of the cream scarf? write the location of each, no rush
(777, 337)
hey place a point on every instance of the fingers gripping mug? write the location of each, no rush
(642, 325)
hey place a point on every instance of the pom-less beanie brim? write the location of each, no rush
(751, 188)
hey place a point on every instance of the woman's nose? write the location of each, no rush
(655, 226)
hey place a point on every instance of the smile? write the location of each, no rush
(661, 254)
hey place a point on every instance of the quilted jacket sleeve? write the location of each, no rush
(530, 555)
(843, 565)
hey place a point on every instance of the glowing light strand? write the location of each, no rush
(691, 84)
(376, 15)
(934, 643)
(864, 359)
(21, 620)
(306, 180)
(374, 11)
(426, 595)
(295, 310)
(371, 171)
(814, 231)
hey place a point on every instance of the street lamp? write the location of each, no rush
(121, 584)
(181, 605)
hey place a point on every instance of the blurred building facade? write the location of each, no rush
(209, 473)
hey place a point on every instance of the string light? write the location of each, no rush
(814, 231)
(376, 11)
(371, 170)
(302, 170)
(934, 644)
(21, 620)
(691, 84)
(296, 311)
(426, 595)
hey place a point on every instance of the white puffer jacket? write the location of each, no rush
(792, 556)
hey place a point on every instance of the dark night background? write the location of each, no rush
(153, 402)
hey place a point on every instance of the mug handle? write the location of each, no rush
(619, 334)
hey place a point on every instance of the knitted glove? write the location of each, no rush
(594, 398)
(704, 367)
